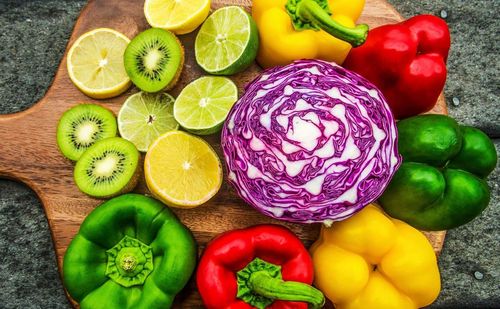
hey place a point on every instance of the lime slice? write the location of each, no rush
(95, 63)
(178, 16)
(203, 105)
(145, 116)
(182, 170)
(228, 41)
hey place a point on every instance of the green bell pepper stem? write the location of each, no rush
(128, 263)
(262, 283)
(311, 11)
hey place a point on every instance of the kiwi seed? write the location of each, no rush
(154, 59)
(83, 125)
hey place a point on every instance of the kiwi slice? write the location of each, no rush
(154, 59)
(83, 125)
(108, 168)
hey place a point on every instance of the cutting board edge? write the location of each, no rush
(61, 78)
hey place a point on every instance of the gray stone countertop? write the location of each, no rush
(33, 39)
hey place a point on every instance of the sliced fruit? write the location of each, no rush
(95, 63)
(154, 60)
(203, 105)
(227, 42)
(108, 168)
(145, 116)
(83, 125)
(178, 16)
(182, 170)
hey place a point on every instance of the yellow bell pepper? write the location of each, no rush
(307, 29)
(373, 261)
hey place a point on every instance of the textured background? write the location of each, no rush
(33, 39)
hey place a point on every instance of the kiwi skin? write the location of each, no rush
(139, 44)
(82, 179)
(130, 185)
(66, 137)
(179, 70)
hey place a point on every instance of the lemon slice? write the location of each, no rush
(95, 63)
(178, 16)
(182, 170)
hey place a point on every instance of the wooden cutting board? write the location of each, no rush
(28, 151)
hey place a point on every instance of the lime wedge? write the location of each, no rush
(145, 116)
(227, 42)
(203, 105)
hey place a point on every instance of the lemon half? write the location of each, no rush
(182, 170)
(178, 16)
(95, 63)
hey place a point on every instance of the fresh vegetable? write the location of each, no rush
(441, 183)
(202, 106)
(108, 168)
(182, 170)
(307, 29)
(83, 125)
(264, 266)
(144, 117)
(407, 62)
(178, 16)
(95, 63)
(373, 261)
(228, 41)
(154, 60)
(130, 252)
(310, 142)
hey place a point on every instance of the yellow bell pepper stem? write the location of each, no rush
(311, 11)
(294, 29)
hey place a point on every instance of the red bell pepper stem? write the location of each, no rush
(263, 284)
(310, 12)
(260, 284)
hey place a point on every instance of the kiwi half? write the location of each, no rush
(83, 125)
(154, 59)
(108, 168)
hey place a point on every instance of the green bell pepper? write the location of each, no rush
(441, 183)
(130, 252)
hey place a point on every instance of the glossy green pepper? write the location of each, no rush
(130, 252)
(441, 183)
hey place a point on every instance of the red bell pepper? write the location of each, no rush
(406, 61)
(264, 266)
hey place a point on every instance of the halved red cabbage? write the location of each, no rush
(310, 142)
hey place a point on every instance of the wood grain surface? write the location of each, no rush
(28, 150)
